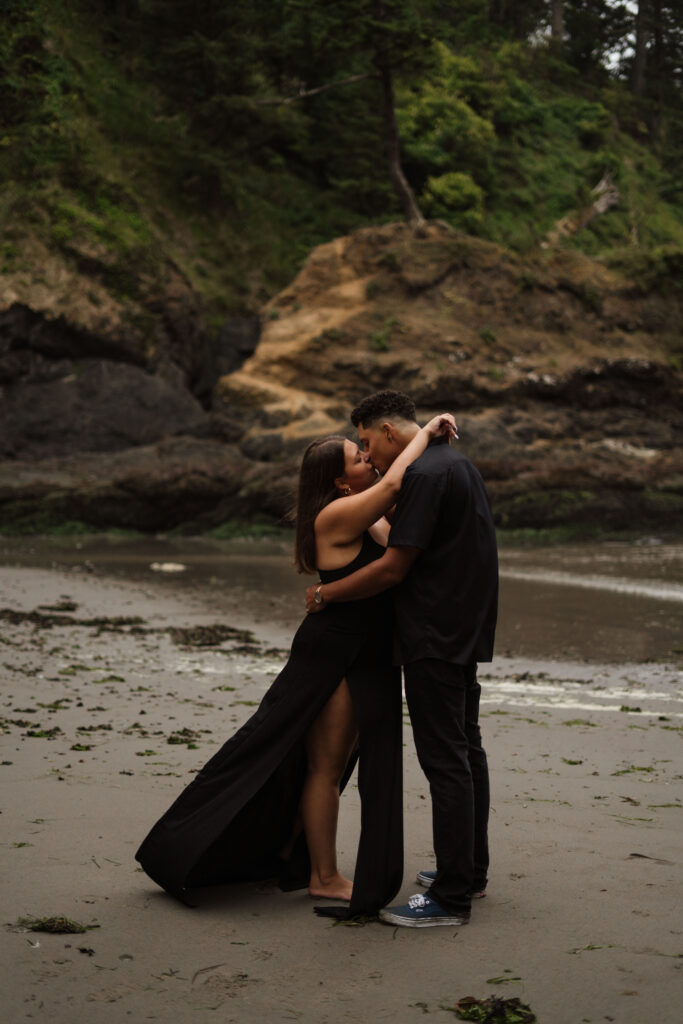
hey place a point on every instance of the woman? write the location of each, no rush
(241, 817)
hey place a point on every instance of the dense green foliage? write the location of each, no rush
(232, 137)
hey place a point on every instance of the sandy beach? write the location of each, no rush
(111, 699)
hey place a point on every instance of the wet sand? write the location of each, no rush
(103, 726)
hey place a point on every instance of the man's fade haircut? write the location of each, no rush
(383, 405)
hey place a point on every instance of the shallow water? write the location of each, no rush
(605, 602)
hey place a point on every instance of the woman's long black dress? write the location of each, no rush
(233, 819)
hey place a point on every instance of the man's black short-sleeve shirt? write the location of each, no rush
(446, 606)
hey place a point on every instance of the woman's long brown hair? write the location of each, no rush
(322, 463)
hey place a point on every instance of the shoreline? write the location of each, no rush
(580, 918)
(603, 602)
(267, 530)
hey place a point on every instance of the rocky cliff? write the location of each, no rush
(563, 375)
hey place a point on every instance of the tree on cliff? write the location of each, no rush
(395, 33)
(557, 19)
(267, 122)
(238, 63)
(662, 24)
(354, 42)
(520, 19)
(642, 37)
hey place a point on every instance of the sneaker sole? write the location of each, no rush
(424, 881)
(427, 922)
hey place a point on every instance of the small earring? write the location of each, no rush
(347, 491)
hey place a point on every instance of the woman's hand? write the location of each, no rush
(443, 425)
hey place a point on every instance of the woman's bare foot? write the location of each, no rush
(335, 888)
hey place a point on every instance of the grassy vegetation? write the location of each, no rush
(95, 167)
(253, 529)
(115, 173)
(261, 529)
(530, 141)
(20, 519)
(41, 524)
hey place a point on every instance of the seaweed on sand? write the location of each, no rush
(191, 636)
(494, 1010)
(55, 925)
(209, 636)
(43, 621)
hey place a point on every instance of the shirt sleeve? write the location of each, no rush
(417, 511)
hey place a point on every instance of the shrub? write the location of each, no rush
(593, 125)
(455, 197)
(657, 269)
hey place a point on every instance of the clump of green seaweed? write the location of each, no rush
(209, 636)
(494, 1010)
(42, 621)
(55, 925)
(191, 636)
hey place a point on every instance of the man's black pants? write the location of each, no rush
(443, 700)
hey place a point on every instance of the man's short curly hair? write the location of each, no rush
(383, 405)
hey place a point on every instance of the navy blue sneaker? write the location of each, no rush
(428, 878)
(421, 912)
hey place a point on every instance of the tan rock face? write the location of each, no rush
(562, 375)
(443, 315)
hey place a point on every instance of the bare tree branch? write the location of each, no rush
(304, 93)
(607, 195)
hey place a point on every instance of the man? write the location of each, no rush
(442, 561)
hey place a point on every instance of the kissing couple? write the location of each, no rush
(399, 530)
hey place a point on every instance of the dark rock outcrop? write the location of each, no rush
(563, 377)
(232, 346)
(152, 487)
(93, 406)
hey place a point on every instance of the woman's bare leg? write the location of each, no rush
(329, 743)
